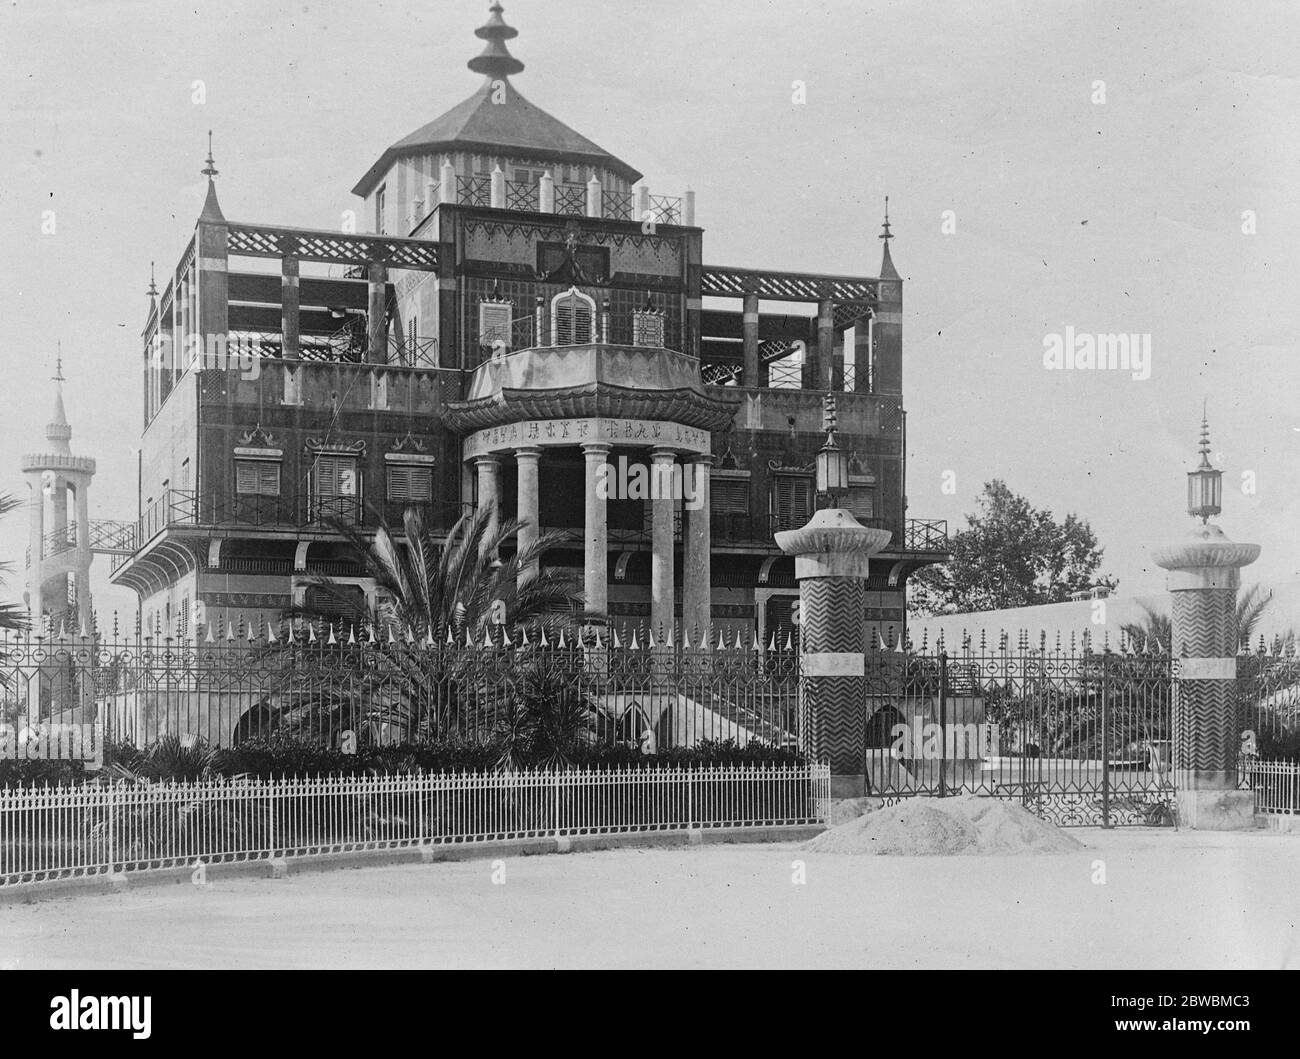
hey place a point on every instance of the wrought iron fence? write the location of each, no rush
(1276, 785)
(1079, 736)
(105, 828)
(227, 681)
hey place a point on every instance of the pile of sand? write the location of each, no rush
(946, 826)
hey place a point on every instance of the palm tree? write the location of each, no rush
(403, 684)
(427, 586)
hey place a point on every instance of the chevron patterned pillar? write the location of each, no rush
(1204, 573)
(832, 559)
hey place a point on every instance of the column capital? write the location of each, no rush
(528, 452)
(699, 457)
(486, 459)
(663, 454)
(594, 450)
(832, 544)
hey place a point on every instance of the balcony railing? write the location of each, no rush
(919, 535)
(182, 508)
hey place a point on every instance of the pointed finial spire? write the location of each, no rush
(210, 170)
(887, 270)
(211, 208)
(58, 431)
(1205, 483)
(496, 61)
(152, 292)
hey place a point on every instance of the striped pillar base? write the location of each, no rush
(832, 685)
(1205, 735)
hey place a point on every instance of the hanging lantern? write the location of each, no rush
(1205, 484)
(832, 465)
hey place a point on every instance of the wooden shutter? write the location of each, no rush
(729, 496)
(861, 502)
(791, 500)
(245, 477)
(409, 482)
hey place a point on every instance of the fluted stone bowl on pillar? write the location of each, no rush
(1204, 574)
(832, 558)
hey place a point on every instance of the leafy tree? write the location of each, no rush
(1011, 554)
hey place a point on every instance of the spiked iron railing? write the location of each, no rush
(110, 828)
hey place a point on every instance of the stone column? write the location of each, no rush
(596, 566)
(85, 615)
(489, 489)
(749, 336)
(36, 539)
(546, 193)
(595, 200)
(697, 568)
(832, 560)
(376, 315)
(1204, 574)
(661, 541)
(825, 343)
(289, 302)
(527, 460)
(862, 355)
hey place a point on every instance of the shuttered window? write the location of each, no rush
(573, 320)
(861, 502)
(729, 496)
(335, 476)
(410, 482)
(791, 500)
(257, 477)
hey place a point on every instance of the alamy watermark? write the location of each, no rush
(52, 742)
(1085, 351)
(208, 351)
(633, 480)
(924, 740)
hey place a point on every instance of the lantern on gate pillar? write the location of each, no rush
(1205, 484)
(832, 465)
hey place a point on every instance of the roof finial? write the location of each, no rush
(887, 270)
(153, 286)
(211, 207)
(496, 60)
(58, 364)
(1205, 433)
(210, 170)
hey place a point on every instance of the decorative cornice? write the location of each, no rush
(257, 438)
(598, 399)
(356, 448)
(410, 443)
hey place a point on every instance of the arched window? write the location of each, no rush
(573, 319)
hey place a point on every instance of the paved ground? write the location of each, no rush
(1169, 900)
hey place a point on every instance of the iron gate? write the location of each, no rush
(1078, 737)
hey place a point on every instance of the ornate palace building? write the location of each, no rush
(522, 313)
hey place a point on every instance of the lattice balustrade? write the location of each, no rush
(332, 247)
(721, 281)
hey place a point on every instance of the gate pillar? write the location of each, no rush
(832, 559)
(1204, 574)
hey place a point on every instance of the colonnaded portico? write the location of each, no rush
(662, 446)
(643, 406)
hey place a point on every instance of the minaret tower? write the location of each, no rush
(58, 564)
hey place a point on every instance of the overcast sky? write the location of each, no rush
(1117, 216)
